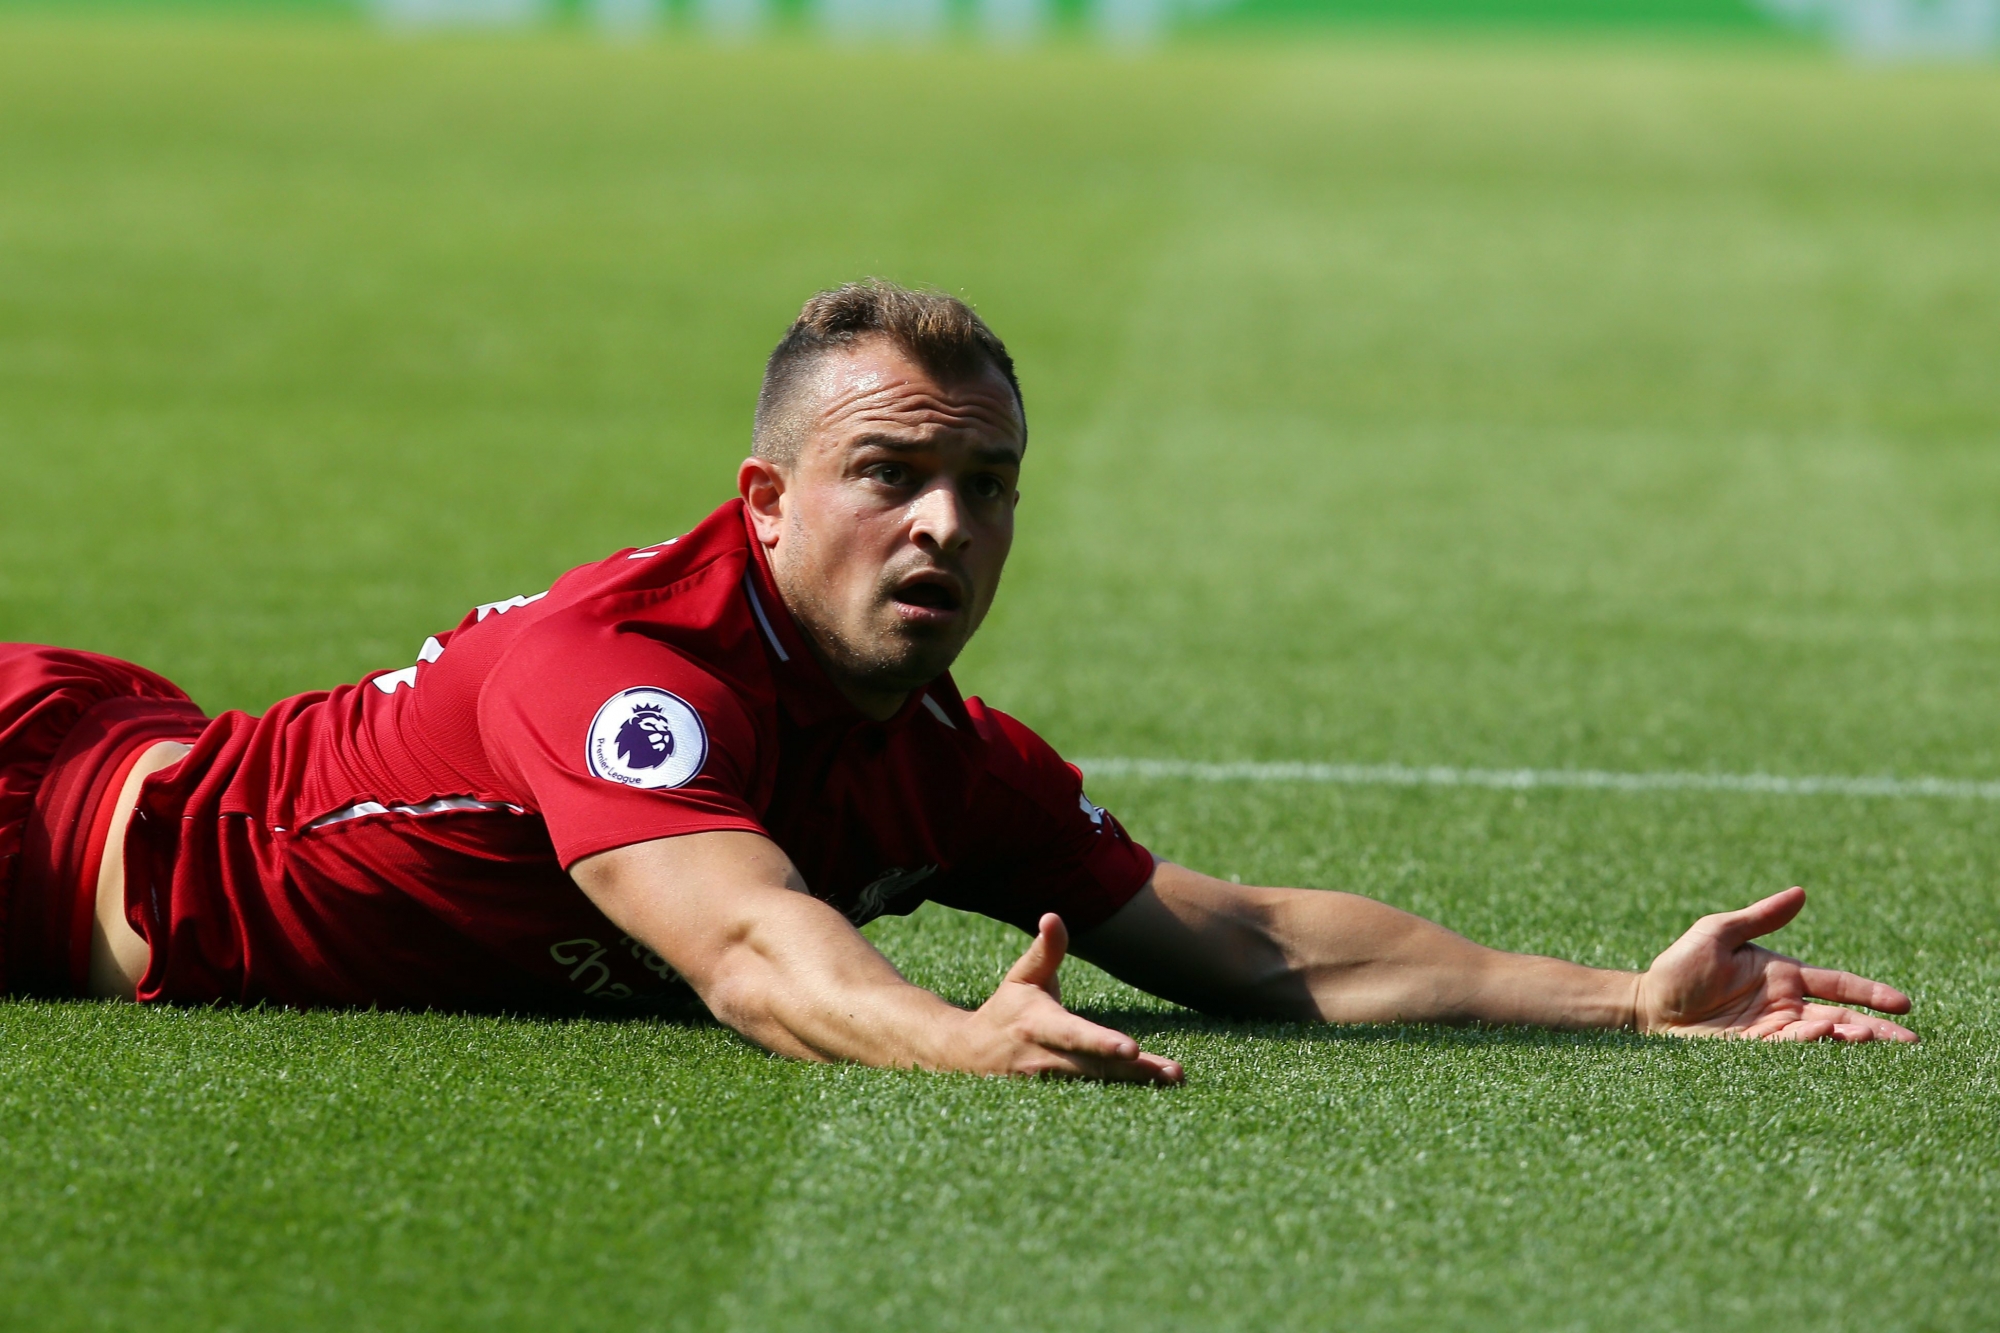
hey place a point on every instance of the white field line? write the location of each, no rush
(1522, 779)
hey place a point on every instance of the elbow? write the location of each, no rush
(1257, 977)
(735, 999)
(741, 988)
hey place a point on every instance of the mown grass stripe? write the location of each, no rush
(1518, 779)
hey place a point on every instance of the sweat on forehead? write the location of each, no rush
(939, 332)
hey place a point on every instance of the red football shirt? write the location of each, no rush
(405, 841)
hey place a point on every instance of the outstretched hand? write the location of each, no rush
(1024, 1029)
(1712, 982)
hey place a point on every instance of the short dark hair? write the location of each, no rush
(939, 331)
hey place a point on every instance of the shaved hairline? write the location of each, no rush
(783, 422)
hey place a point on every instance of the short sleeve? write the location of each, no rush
(617, 738)
(1046, 846)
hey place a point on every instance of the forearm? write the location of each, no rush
(1361, 961)
(815, 989)
(1303, 954)
(729, 912)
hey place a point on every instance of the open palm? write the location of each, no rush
(1712, 982)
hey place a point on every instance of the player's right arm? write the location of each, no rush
(730, 913)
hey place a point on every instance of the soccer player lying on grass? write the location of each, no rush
(704, 763)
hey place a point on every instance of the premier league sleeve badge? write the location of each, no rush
(646, 737)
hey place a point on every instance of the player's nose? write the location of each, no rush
(938, 519)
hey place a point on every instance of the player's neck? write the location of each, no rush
(875, 701)
(873, 696)
(875, 705)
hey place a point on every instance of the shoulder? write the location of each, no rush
(689, 585)
(599, 702)
(1009, 741)
(637, 642)
(675, 614)
(580, 662)
(1021, 762)
(1041, 844)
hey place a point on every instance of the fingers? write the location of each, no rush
(1147, 1068)
(1043, 960)
(1802, 1030)
(1144, 1067)
(1823, 983)
(1812, 1022)
(1851, 1026)
(1759, 918)
(1825, 1022)
(1873, 1029)
(1079, 1036)
(1068, 1045)
(1083, 1049)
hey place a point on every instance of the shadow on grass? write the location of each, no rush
(1136, 1022)
(1144, 1023)
(689, 1013)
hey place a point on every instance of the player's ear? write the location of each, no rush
(761, 483)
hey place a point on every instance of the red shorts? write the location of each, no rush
(72, 724)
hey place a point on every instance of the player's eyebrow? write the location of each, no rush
(893, 444)
(1007, 455)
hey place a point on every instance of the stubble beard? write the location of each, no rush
(887, 655)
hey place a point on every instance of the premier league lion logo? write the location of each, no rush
(646, 737)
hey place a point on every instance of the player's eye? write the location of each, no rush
(986, 486)
(890, 474)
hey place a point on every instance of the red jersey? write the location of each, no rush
(405, 841)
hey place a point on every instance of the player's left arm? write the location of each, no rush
(1339, 957)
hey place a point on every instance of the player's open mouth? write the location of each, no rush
(929, 597)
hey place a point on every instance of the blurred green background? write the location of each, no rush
(1655, 383)
(1659, 13)
(1962, 25)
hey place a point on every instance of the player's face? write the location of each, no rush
(889, 531)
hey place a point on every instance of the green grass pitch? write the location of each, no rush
(1515, 403)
